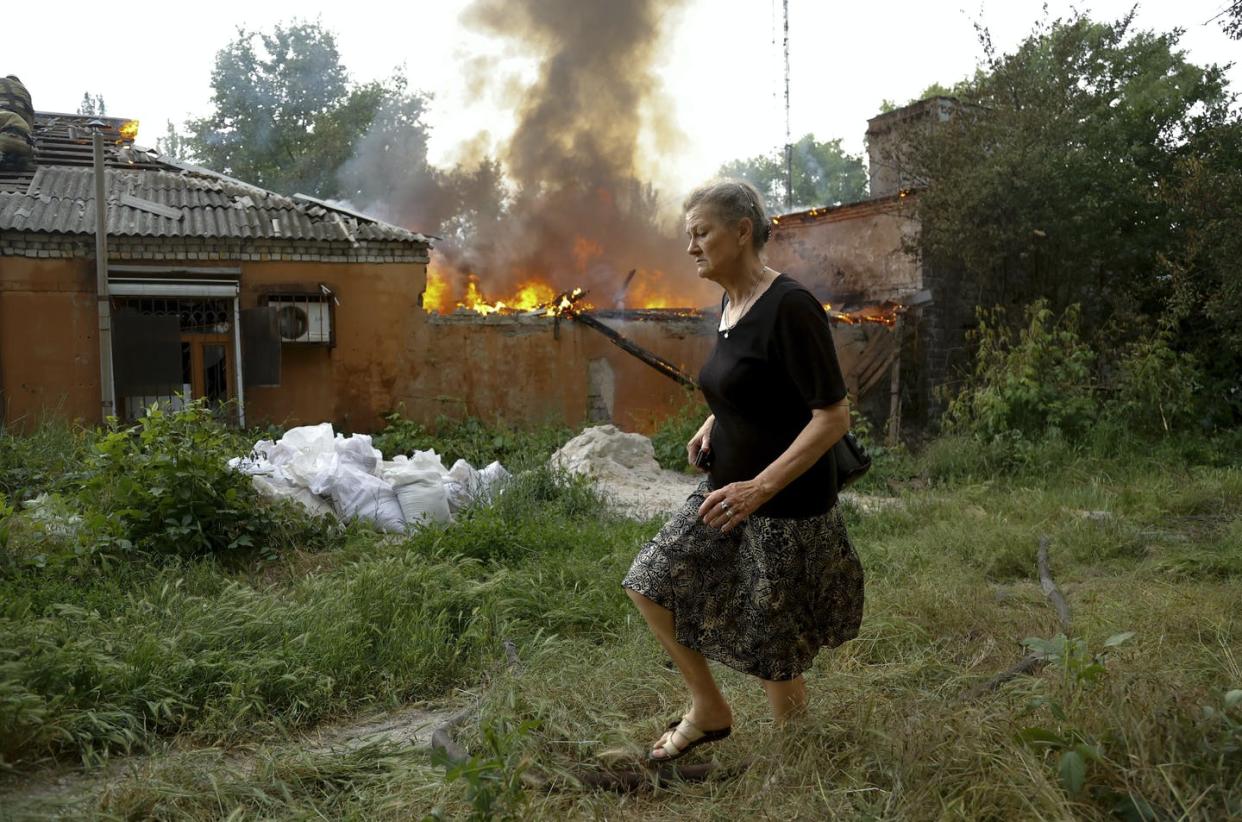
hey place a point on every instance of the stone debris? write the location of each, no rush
(624, 467)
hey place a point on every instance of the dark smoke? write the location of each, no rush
(575, 211)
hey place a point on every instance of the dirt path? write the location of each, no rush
(655, 494)
(70, 792)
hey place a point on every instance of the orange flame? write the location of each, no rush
(129, 130)
(586, 250)
(884, 314)
(435, 295)
(531, 296)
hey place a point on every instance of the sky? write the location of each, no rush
(720, 67)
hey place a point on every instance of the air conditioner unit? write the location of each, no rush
(303, 319)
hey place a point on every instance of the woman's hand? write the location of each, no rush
(725, 507)
(700, 442)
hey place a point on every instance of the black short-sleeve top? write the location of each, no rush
(761, 381)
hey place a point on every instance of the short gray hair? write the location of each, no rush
(732, 200)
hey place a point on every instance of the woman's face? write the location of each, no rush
(716, 249)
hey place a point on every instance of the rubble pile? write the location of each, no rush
(625, 469)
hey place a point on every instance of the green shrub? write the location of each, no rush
(472, 440)
(1033, 381)
(670, 438)
(46, 460)
(166, 485)
(1157, 387)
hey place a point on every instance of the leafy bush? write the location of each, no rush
(1032, 381)
(1157, 387)
(166, 485)
(472, 440)
(675, 431)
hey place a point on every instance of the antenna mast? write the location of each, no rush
(788, 133)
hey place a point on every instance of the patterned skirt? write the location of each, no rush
(762, 599)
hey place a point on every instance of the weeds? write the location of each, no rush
(671, 436)
(166, 488)
(129, 655)
(1080, 669)
(493, 778)
(472, 440)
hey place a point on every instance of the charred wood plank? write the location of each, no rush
(654, 360)
(1049, 586)
(1032, 663)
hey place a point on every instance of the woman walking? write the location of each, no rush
(755, 571)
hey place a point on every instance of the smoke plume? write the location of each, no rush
(574, 210)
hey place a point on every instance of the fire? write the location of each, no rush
(567, 301)
(129, 130)
(884, 314)
(532, 295)
(586, 250)
(529, 297)
(436, 293)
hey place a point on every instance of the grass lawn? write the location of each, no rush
(215, 669)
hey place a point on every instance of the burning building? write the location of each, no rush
(300, 311)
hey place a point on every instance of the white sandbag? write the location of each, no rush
(493, 479)
(323, 475)
(277, 488)
(402, 470)
(424, 501)
(357, 450)
(257, 461)
(462, 484)
(359, 495)
(304, 452)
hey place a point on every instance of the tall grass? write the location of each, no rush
(107, 663)
(1144, 539)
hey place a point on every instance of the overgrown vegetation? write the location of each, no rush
(1094, 165)
(107, 657)
(671, 436)
(472, 440)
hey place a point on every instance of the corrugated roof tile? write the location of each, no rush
(61, 199)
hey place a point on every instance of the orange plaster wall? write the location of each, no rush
(852, 254)
(49, 347)
(388, 353)
(377, 322)
(518, 371)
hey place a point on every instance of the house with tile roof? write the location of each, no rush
(279, 309)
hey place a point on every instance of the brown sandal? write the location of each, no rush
(693, 734)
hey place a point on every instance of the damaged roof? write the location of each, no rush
(150, 195)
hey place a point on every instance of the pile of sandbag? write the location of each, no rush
(328, 472)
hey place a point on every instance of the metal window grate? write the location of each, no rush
(199, 315)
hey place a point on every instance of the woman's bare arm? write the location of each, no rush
(826, 427)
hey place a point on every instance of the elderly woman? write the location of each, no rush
(755, 570)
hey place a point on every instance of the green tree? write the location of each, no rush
(286, 116)
(1091, 166)
(173, 143)
(823, 174)
(1231, 20)
(1048, 175)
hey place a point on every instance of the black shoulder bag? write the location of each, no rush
(851, 460)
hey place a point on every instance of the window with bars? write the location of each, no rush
(171, 349)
